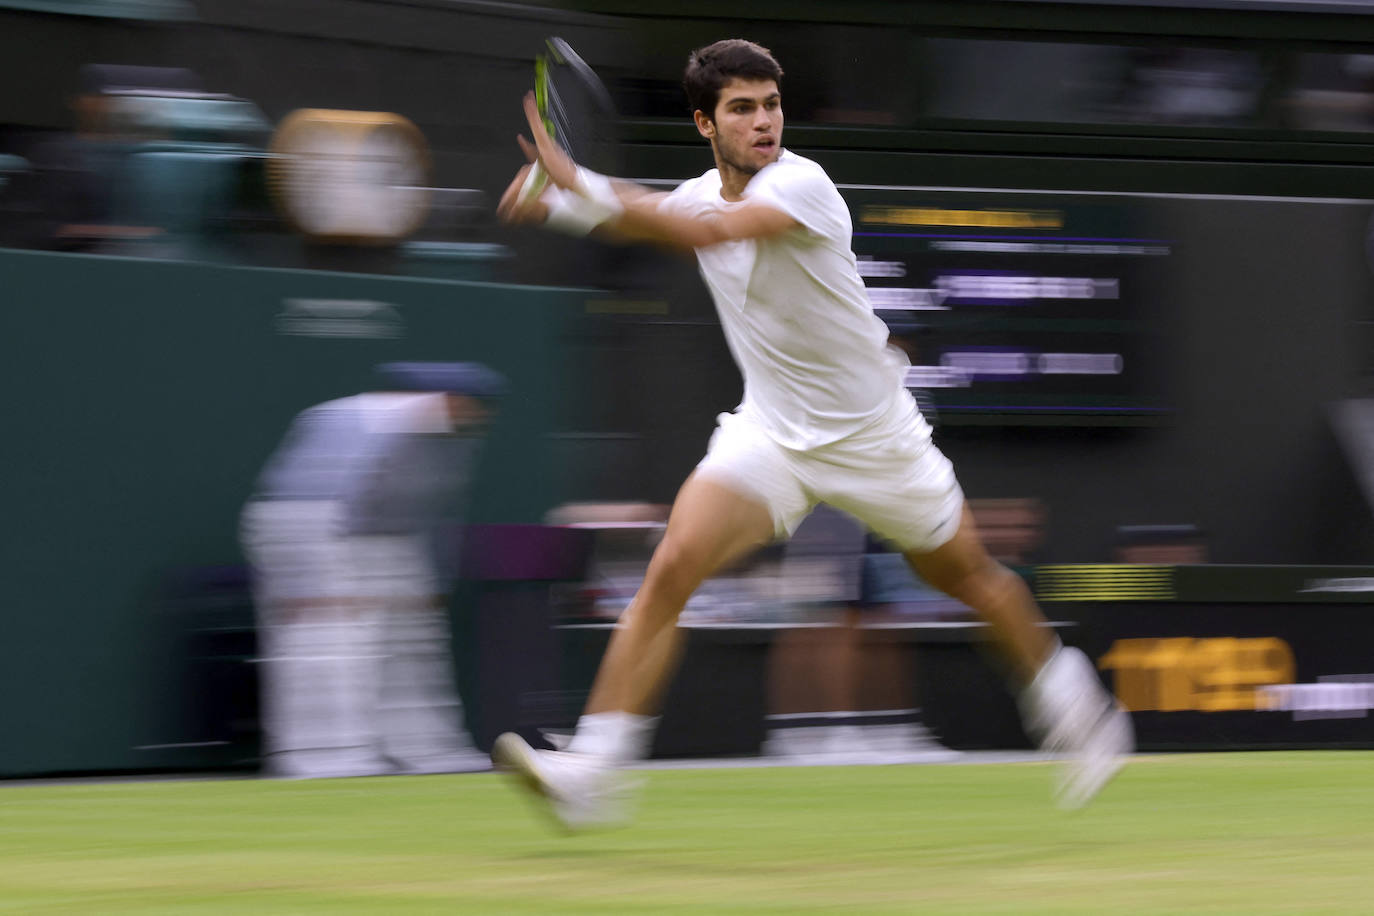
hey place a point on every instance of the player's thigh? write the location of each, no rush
(742, 495)
(711, 526)
(957, 567)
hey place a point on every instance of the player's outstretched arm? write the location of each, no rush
(583, 200)
(645, 219)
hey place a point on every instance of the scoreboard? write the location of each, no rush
(1019, 307)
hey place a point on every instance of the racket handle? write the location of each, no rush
(534, 183)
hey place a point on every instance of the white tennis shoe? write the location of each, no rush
(582, 792)
(1067, 708)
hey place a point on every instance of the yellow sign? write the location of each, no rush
(1105, 582)
(1200, 675)
(983, 219)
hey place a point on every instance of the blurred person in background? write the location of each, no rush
(342, 535)
(78, 174)
(1011, 529)
(1168, 545)
(825, 418)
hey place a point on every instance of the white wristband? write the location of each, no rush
(598, 191)
(569, 213)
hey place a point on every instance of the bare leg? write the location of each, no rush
(962, 569)
(710, 527)
(1062, 701)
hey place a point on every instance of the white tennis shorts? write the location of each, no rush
(889, 476)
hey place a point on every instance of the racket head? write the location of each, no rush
(576, 106)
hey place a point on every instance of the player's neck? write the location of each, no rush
(733, 181)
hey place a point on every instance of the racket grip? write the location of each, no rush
(534, 183)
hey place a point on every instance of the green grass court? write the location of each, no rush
(1289, 833)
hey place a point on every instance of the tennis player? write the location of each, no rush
(825, 418)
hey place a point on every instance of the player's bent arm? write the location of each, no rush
(629, 192)
(645, 220)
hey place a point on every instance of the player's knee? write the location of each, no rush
(994, 585)
(676, 570)
(979, 583)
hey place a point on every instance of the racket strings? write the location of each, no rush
(556, 112)
(572, 101)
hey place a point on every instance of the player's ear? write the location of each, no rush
(705, 126)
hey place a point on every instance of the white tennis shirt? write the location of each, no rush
(796, 316)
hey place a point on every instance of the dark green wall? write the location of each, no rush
(141, 399)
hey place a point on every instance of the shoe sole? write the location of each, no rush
(1095, 766)
(511, 754)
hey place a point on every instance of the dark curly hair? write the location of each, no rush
(711, 67)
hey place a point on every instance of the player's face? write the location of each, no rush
(746, 127)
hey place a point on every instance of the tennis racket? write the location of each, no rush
(577, 111)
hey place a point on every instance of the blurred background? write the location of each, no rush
(1126, 245)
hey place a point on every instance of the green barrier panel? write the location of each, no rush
(142, 398)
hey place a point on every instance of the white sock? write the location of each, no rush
(1036, 683)
(619, 737)
(1035, 696)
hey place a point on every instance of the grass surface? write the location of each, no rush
(1289, 833)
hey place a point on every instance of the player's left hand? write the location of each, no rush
(518, 207)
